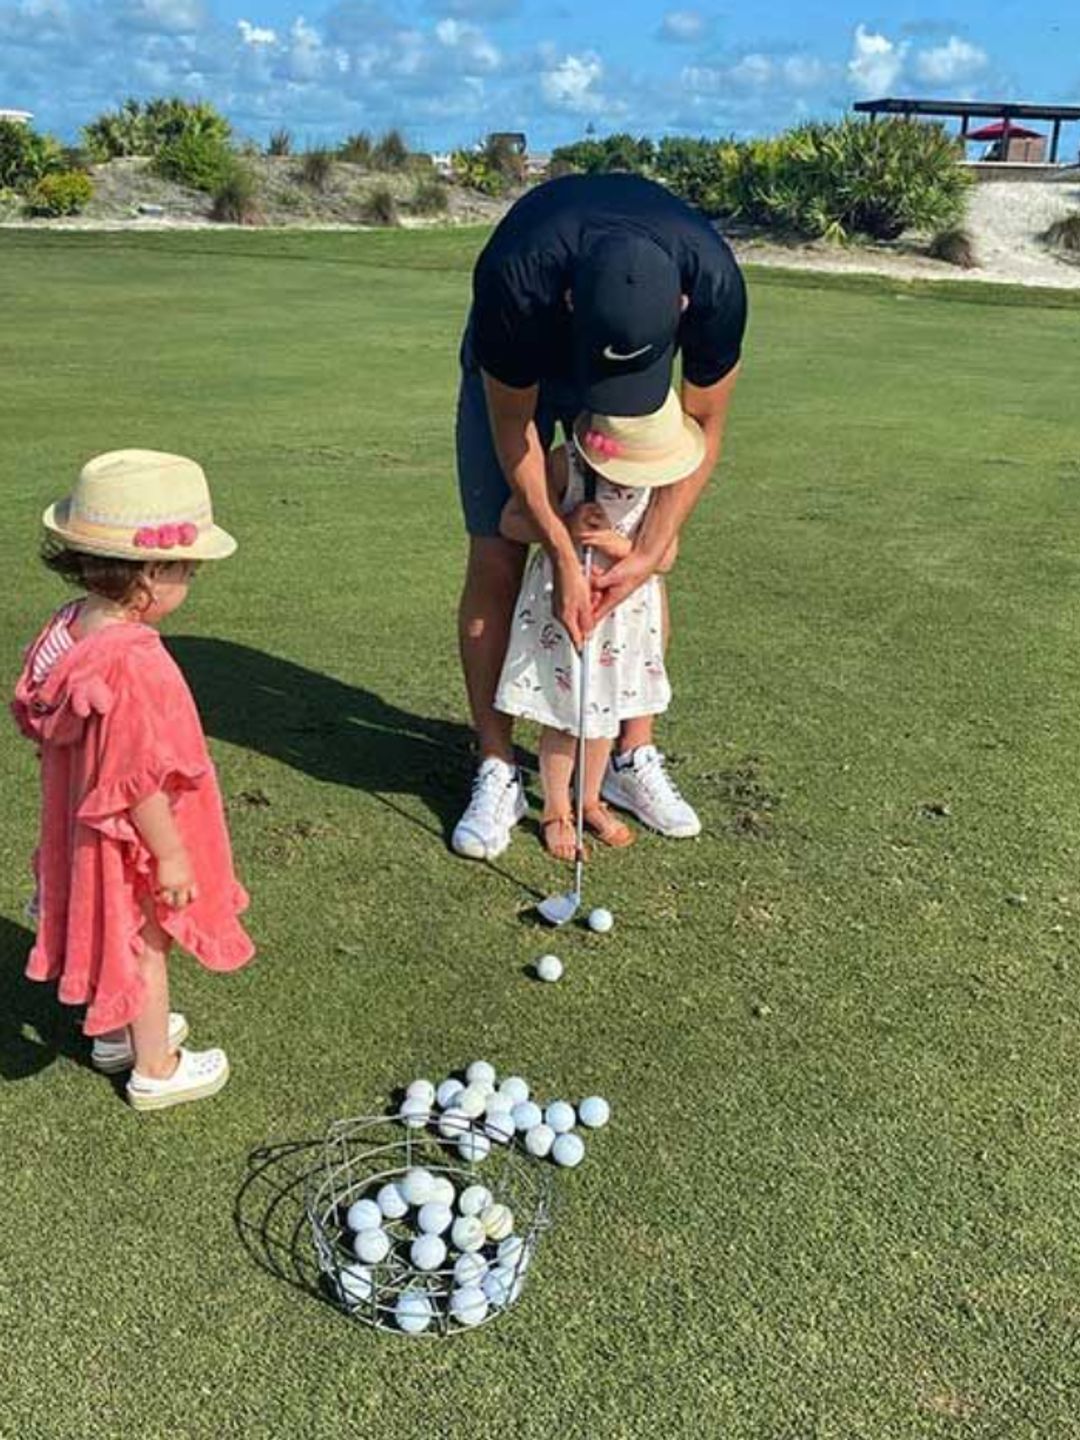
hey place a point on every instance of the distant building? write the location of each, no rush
(17, 117)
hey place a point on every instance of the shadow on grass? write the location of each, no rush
(326, 728)
(269, 1214)
(35, 1029)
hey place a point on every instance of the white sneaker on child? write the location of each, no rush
(639, 783)
(495, 807)
(198, 1074)
(112, 1056)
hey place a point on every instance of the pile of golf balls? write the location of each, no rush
(422, 1246)
(480, 1111)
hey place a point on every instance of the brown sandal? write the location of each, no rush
(562, 848)
(607, 829)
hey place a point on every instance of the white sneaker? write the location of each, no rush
(112, 1056)
(198, 1074)
(497, 804)
(646, 789)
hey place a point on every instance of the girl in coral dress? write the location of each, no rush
(133, 852)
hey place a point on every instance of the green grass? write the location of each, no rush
(838, 1196)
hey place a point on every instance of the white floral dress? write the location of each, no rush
(542, 670)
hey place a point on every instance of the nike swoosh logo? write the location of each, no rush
(610, 354)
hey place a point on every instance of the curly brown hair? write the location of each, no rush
(115, 579)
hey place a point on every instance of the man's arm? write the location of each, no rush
(670, 504)
(512, 414)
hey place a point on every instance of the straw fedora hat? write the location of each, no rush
(140, 505)
(640, 450)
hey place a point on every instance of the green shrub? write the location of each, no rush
(955, 246)
(280, 142)
(236, 198)
(705, 173)
(380, 206)
(64, 192)
(25, 155)
(202, 162)
(615, 152)
(1064, 234)
(430, 196)
(316, 166)
(473, 170)
(356, 149)
(139, 128)
(504, 159)
(390, 152)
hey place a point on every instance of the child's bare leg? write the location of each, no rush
(154, 1057)
(558, 751)
(639, 730)
(598, 817)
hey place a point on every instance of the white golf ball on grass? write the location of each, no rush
(539, 1140)
(549, 968)
(471, 1101)
(480, 1072)
(474, 1199)
(453, 1123)
(434, 1218)
(467, 1233)
(470, 1269)
(600, 920)
(498, 1221)
(474, 1147)
(364, 1215)
(421, 1090)
(427, 1252)
(442, 1190)
(502, 1287)
(526, 1115)
(500, 1127)
(515, 1089)
(560, 1116)
(414, 1112)
(371, 1247)
(469, 1305)
(416, 1185)
(413, 1312)
(447, 1090)
(594, 1111)
(355, 1284)
(513, 1254)
(392, 1204)
(568, 1150)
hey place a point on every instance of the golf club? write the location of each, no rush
(560, 909)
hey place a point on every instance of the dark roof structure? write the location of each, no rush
(966, 110)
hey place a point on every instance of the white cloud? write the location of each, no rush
(256, 34)
(683, 27)
(571, 84)
(778, 74)
(876, 63)
(952, 63)
(164, 17)
(471, 46)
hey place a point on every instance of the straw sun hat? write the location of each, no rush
(140, 505)
(640, 450)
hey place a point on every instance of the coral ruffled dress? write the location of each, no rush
(116, 722)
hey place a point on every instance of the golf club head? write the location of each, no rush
(559, 909)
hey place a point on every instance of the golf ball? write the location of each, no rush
(498, 1221)
(560, 1116)
(500, 1127)
(421, 1090)
(467, 1233)
(446, 1092)
(471, 1101)
(391, 1202)
(474, 1199)
(469, 1306)
(355, 1284)
(371, 1246)
(474, 1147)
(498, 1104)
(364, 1215)
(452, 1123)
(513, 1254)
(501, 1287)
(539, 1140)
(601, 920)
(434, 1218)
(515, 1089)
(568, 1150)
(594, 1112)
(442, 1190)
(427, 1252)
(413, 1312)
(481, 1072)
(549, 967)
(414, 1112)
(526, 1115)
(416, 1184)
(470, 1269)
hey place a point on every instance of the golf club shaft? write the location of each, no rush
(583, 700)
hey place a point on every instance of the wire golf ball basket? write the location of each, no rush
(477, 1279)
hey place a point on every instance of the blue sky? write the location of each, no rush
(447, 71)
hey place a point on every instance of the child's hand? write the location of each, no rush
(587, 517)
(175, 881)
(607, 542)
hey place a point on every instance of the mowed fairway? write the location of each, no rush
(840, 1194)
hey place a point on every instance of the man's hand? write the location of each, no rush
(572, 601)
(613, 586)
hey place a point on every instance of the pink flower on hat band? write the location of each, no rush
(602, 444)
(166, 537)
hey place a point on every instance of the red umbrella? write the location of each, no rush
(998, 129)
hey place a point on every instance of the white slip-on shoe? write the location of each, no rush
(112, 1056)
(495, 807)
(198, 1074)
(644, 787)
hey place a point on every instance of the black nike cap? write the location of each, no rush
(627, 302)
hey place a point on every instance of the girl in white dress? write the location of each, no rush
(628, 457)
